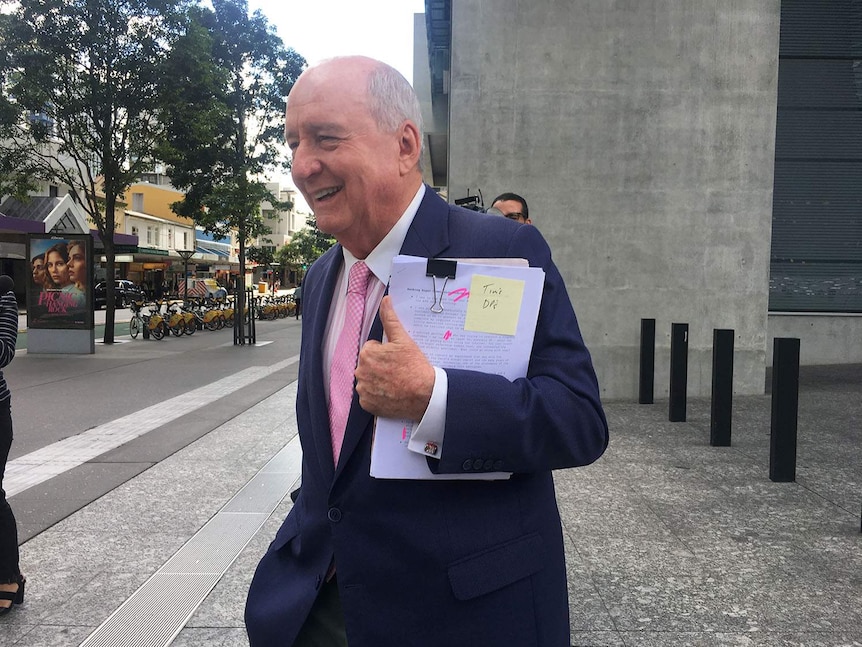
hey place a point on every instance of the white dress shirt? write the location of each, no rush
(432, 426)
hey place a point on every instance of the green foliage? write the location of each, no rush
(260, 255)
(80, 87)
(305, 247)
(15, 179)
(80, 82)
(225, 122)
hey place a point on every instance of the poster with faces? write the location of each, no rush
(60, 286)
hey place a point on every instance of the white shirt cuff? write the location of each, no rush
(427, 436)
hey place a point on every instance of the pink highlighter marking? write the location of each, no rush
(448, 335)
(404, 434)
(462, 293)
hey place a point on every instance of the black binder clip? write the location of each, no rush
(442, 269)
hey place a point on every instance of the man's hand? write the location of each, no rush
(394, 380)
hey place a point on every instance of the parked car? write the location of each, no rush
(124, 293)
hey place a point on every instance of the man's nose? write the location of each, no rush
(304, 163)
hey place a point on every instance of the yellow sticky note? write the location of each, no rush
(495, 305)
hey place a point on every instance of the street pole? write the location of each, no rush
(186, 254)
(274, 267)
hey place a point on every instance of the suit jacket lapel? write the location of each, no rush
(428, 236)
(319, 308)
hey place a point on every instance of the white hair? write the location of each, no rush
(392, 99)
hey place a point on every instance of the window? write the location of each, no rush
(138, 202)
(816, 259)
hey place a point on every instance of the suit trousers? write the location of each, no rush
(8, 529)
(324, 626)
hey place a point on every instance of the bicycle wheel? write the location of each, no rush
(158, 332)
(134, 327)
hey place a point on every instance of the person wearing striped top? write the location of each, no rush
(11, 580)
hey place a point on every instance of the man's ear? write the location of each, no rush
(410, 147)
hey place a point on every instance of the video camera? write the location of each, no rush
(476, 203)
(472, 202)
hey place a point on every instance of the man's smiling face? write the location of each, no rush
(344, 165)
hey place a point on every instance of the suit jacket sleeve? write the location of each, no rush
(550, 419)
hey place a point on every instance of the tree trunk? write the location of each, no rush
(108, 242)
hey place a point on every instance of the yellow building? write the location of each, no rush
(162, 234)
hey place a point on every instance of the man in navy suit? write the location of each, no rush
(395, 563)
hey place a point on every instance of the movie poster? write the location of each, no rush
(60, 289)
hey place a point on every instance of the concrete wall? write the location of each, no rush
(642, 133)
(422, 85)
(823, 338)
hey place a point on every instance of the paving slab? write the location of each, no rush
(669, 541)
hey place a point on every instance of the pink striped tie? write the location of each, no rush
(346, 352)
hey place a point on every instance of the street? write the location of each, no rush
(84, 424)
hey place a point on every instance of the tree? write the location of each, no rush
(305, 247)
(225, 122)
(260, 255)
(81, 81)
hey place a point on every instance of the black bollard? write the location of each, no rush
(678, 371)
(721, 412)
(785, 407)
(238, 309)
(647, 365)
(251, 335)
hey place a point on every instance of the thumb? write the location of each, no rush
(392, 327)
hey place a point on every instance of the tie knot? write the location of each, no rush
(357, 279)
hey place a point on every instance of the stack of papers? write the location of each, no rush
(473, 314)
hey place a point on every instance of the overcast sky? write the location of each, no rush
(319, 29)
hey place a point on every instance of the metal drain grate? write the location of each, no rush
(144, 620)
(216, 545)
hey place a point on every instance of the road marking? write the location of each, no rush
(43, 464)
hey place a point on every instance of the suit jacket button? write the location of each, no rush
(488, 465)
(498, 466)
(334, 515)
(478, 464)
(468, 465)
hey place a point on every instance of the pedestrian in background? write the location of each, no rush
(513, 207)
(11, 580)
(297, 299)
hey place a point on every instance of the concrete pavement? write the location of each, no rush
(669, 541)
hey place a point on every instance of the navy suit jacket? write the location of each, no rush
(440, 563)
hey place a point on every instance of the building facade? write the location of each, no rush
(642, 135)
